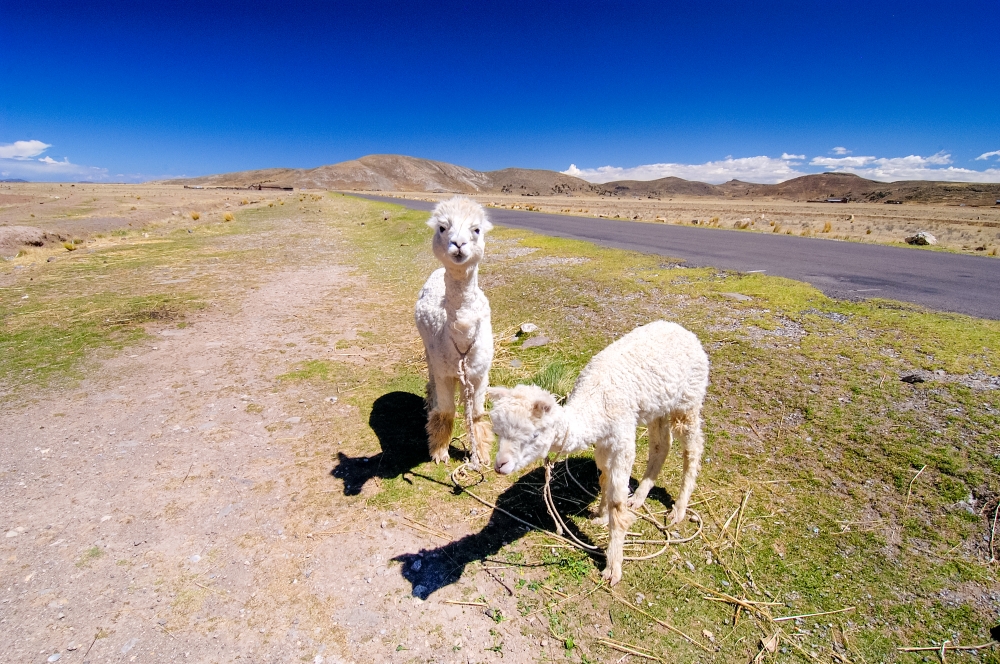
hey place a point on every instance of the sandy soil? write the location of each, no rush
(180, 503)
(967, 229)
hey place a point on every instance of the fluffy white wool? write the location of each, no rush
(453, 318)
(655, 375)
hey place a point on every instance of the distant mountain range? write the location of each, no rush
(410, 174)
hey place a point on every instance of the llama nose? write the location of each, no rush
(503, 465)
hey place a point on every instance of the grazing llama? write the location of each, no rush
(655, 375)
(453, 317)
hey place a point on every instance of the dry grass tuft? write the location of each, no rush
(827, 226)
(195, 216)
(227, 216)
(777, 228)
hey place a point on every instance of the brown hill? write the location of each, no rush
(532, 182)
(662, 188)
(375, 172)
(846, 185)
(402, 173)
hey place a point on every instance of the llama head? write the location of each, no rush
(527, 421)
(460, 226)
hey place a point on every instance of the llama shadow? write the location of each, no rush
(398, 420)
(430, 570)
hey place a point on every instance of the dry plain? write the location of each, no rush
(212, 447)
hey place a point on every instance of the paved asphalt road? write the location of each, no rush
(942, 281)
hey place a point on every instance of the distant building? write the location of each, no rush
(843, 199)
(260, 187)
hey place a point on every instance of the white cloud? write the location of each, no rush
(23, 149)
(20, 160)
(914, 167)
(841, 151)
(987, 155)
(788, 157)
(754, 169)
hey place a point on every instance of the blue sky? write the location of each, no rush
(705, 90)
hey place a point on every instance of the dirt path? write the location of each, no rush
(178, 503)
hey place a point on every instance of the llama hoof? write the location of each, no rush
(634, 504)
(599, 519)
(440, 456)
(612, 576)
(675, 517)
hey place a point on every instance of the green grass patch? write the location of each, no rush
(89, 556)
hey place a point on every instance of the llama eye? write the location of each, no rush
(441, 229)
(477, 231)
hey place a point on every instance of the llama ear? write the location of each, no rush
(486, 226)
(541, 407)
(434, 221)
(497, 393)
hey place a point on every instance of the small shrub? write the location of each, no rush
(69, 246)
(827, 227)
(868, 231)
(714, 221)
(195, 216)
(227, 216)
(993, 252)
(244, 202)
(270, 205)
(133, 207)
(777, 228)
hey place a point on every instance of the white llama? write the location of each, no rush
(655, 375)
(453, 317)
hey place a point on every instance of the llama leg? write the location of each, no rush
(659, 447)
(482, 430)
(600, 511)
(619, 517)
(441, 419)
(688, 428)
(431, 398)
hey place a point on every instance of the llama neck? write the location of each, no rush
(461, 287)
(461, 303)
(582, 425)
(569, 433)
